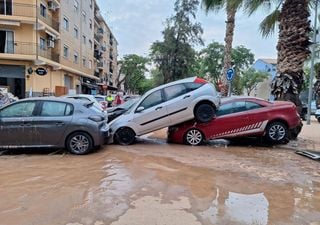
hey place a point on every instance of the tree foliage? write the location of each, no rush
(251, 78)
(133, 67)
(174, 56)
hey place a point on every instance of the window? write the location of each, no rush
(90, 44)
(84, 62)
(174, 91)
(56, 109)
(84, 39)
(76, 58)
(65, 23)
(90, 24)
(84, 16)
(192, 86)
(23, 109)
(90, 64)
(153, 99)
(252, 105)
(225, 109)
(65, 51)
(76, 32)
(76, 6)
(239, 107)
(42, 43)
(43, 10)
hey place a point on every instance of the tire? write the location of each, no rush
(79, 143)
(125, 136)
(193, 137)
(318, 119)
(277, 133)
(204, 113)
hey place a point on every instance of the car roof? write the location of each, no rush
(185, 80)
(241, 98)
(68, 100)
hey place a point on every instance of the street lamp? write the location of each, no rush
(312, 62)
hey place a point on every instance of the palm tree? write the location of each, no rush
(231, 7)
(293, 44)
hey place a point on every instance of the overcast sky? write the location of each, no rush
(136, 24)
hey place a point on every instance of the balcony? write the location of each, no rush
(100, 65)
(111, 70)
(26, 13)
(28, 49)
(97, 54)
(111, 57)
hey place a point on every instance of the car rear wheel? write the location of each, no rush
(125, 136)
(193, 137)
(277, 133)
(318, 119)
(79, 143)
(204, 113)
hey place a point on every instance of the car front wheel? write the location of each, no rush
(193, 137)
(277, 133)
(204, 113)
(79, 143)
(125, 136)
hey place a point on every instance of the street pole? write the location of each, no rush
(229, 88)
(312, 62)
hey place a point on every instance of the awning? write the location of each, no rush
(107, 87)
(92, 86)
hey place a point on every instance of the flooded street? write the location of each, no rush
(153, 182)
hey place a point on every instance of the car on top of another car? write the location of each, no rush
(276, 121)
(164, 106)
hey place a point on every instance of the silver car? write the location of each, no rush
(165, 106)
(52, 122)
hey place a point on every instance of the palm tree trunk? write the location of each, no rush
(293, 50)
(230, 24)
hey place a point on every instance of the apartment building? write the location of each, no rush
(47, 47)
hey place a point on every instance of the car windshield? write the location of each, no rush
(128, 104)
(99, 98)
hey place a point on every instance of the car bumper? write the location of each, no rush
(294, 132)
(103, 135)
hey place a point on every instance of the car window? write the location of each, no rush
(191, 86)
(175, 91)
(23, 109)
(239, 106)
(100, 99)
(252, 105)
(153, 99)
(56, 109)
(225, 109)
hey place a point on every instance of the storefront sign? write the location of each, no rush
(41, 71)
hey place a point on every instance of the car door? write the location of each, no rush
(17, 127)
(52, 122)
(154, 114)
(177, 102)
(231, 120)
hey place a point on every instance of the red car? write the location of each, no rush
(242, 116)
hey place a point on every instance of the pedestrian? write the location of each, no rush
(118, 99)
(109, 100)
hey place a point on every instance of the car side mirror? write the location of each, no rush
(140, 109)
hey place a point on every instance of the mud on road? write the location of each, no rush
(153, 182)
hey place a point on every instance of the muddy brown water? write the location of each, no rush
(153, 182)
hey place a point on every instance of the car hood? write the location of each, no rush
(122, 120)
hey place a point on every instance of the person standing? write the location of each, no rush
(109, 100)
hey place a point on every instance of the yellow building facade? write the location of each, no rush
(47, 47)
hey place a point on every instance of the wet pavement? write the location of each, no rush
(153, 182)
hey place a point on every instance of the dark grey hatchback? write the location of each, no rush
(52, 122)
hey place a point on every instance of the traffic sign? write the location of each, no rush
(41, 71)
(230, 74)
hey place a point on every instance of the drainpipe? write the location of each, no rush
(37, 37)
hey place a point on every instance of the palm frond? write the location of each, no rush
(252, 6)
(213, 5)
(268, 25)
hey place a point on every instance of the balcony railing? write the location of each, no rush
(100, 65)
(29, 11)
(28, 48)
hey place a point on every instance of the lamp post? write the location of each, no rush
(312, 62)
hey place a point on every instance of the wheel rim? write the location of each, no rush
(205, 113)
(277, 132)
(125, 136)
(194, 137)
(79, 143)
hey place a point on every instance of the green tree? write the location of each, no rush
(133, 67)
(251, 78)
(231, 7)
(174, 56)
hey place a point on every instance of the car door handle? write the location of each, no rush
(59, 123)
(187, 96)
(158, 108)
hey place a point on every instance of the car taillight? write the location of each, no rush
(200, 81)
(96, 118)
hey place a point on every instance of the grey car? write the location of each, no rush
(165, 106)
(52, 122)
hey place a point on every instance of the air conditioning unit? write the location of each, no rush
(50, 43)
(51, 5)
